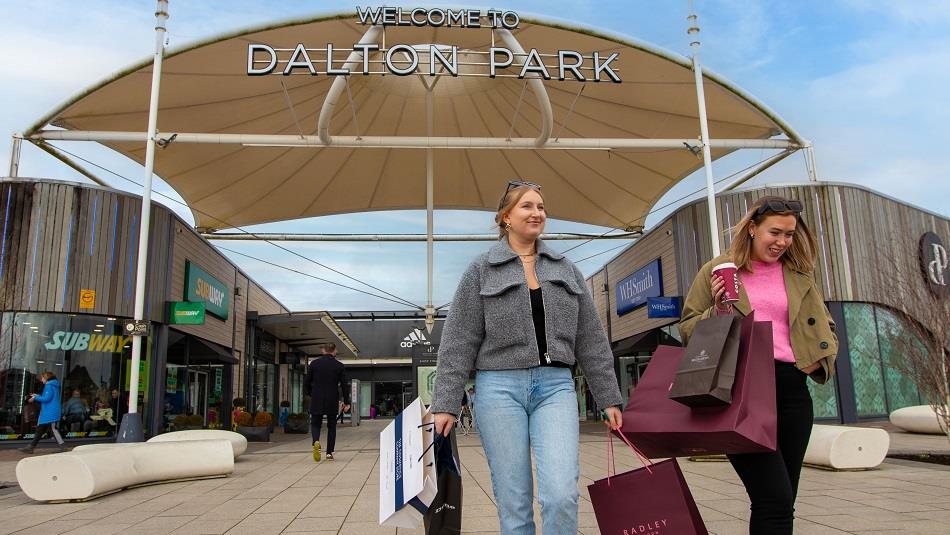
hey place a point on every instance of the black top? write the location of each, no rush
(537, 314)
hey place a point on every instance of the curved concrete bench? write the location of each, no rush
(90, 471)
(238, 441)
(918, 419)
(847, 448)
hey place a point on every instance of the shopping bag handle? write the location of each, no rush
(610, 454)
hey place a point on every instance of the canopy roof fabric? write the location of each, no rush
(205, 88)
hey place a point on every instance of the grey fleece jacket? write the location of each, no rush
(490, 326)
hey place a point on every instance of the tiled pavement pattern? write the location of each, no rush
(277, 488)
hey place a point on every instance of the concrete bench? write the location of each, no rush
(846, 448)
(238, 441)
(90, 471)
(918, 419)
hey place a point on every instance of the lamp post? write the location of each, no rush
(130, 429)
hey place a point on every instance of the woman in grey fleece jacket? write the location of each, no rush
(521, 317)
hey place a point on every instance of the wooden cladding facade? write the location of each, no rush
(59, 239)
(855, 228)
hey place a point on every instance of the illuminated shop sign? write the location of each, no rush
(432, 59)
(200, 286)
(634, 290)
(80, 341)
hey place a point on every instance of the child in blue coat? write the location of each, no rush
(50, 412)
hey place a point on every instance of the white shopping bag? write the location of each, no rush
(407, 479)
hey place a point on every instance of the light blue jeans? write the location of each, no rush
(523, 411)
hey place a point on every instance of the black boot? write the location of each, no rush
(28, 449)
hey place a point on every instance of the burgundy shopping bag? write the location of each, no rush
(662, 427)
(653, 500)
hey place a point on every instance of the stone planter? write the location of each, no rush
(297, 426)
(255, 434)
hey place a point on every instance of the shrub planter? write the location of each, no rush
(254, 434)
(297, 426)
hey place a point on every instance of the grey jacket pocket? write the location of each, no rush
(504, 314)
(561, 304)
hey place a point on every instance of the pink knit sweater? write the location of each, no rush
(765, 287)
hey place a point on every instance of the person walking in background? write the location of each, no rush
(326, 378)
(50, 412)
(776, 254)
(521, 317)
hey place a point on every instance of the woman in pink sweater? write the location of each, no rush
(776, 254)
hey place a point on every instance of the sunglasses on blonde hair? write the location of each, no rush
(518, 183)
(794, 207)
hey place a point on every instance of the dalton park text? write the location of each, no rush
(430, 59)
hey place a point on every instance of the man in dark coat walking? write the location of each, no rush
(325, 380)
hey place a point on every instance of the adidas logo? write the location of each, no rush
(415, 337)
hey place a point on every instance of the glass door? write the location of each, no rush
(198, 392)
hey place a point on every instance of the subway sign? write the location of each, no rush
(186, 313)
(202, 287)
(83, 341)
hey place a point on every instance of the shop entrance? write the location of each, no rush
(198, 392)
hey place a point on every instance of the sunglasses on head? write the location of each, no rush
(794, 207)
(518, 183)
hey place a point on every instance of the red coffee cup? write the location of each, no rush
(730, 276)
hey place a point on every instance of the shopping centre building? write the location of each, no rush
(67, 269)
(865, 238)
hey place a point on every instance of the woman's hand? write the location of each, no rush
(718, 288)
(613, 418)
(444, 421)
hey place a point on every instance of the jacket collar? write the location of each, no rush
(501, 252)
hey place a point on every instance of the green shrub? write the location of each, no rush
(298, 417)
(180, 420)
(196, 420)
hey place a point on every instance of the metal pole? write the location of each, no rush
(131, 427)
(704, 132)
(810, 162)
(15, 156)
(430, 206)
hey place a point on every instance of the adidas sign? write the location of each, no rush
(414, 338)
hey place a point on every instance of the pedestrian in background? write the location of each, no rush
(325, 380)
(775, 253)
(50, 412)
(521, 317)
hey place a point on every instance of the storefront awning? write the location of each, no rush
(308, 332)
(199, 351)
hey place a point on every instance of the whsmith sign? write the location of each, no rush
(202, 287)
(404, 59)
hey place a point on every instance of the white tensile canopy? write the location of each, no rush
(248, 150)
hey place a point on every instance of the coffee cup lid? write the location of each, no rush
(725, 265)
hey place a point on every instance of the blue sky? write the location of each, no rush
(865, 80)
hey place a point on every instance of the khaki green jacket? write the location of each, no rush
(811, 328)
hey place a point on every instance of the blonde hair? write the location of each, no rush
(508, 202)
(801, 255)
(48, 375)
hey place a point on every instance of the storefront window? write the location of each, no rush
(88, 354)
(262, 386)
(865, 360)
(901, 390)
(296, 374)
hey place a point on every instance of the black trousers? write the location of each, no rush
(771, 479)
(316, 422)
(41, 431)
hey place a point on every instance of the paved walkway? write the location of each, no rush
(277, 488)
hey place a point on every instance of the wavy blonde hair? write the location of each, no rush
(801, 255)
(508, 202)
